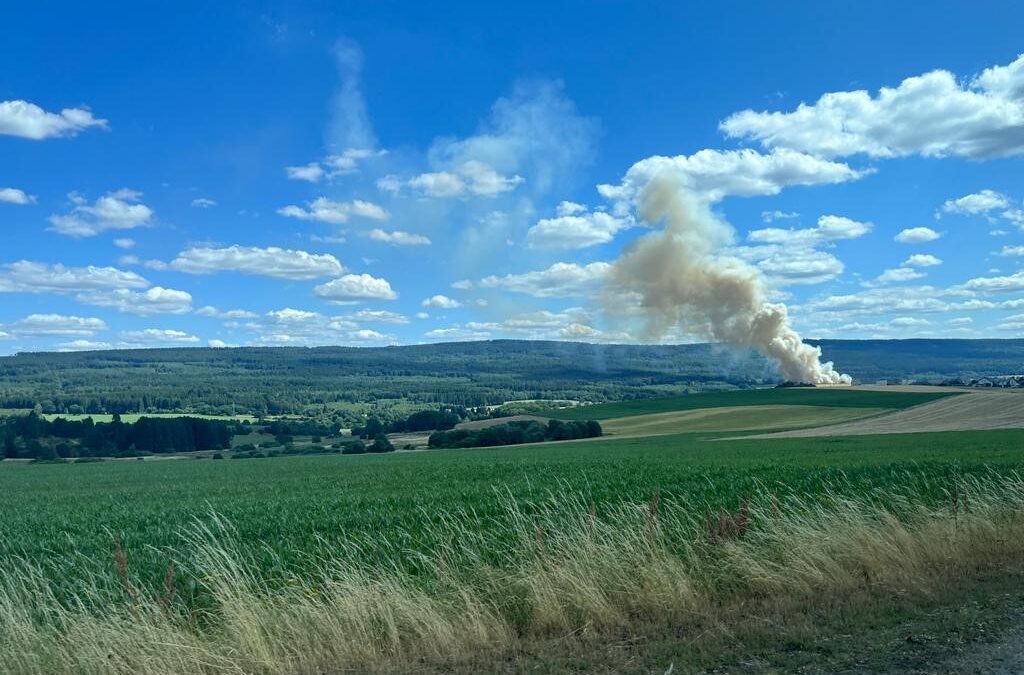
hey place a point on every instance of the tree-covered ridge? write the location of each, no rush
(350, 383)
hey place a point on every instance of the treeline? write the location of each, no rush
(33, 437)
(515, 433)
(353, 381)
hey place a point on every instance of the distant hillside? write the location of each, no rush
(298, 380)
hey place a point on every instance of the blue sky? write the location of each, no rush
(379, 173)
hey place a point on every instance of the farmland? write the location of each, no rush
(301, 528)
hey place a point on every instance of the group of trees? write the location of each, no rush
(32, 436)
(515, 433)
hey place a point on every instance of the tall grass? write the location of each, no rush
(563, 570)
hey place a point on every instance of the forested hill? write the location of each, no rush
(299, 380)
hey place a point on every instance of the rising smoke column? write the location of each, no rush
(680, 280)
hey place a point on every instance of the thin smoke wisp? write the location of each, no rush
(682, 279)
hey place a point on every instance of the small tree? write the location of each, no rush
(381, 444)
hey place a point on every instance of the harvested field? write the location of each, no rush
(483, 424)
(740, 418)
(975, 410)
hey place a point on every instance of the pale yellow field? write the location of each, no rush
(739, 418)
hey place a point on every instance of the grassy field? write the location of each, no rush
(833, 398)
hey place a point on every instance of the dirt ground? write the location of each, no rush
(973, 410)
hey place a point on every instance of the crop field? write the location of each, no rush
(302, 507)
(833, 398)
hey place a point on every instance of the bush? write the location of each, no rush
(354, 448)
(381, 444)
(216, 455)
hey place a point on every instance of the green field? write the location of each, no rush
(747, 418)
(66, 515)
(835, 398)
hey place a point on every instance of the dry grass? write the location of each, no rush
(565, 571)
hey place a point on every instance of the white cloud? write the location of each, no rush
(961, 321)
(311, 172)
(270, 262)
(157, 336)
(462, 284)
(15, 196)
(27, 120)
(894, 276)
(784, 265)
(974, 204)
(535, 132)
(398, 238)
(771, 216)
(909, 322)
(716, 174)
(230, 314)
(440, 302)
(377, 316)
(355, 287)
(560, 280)
(922, 260)
(830, 228)
(55, 324)
(25, 276)
(336, 213)
(124, 242)
(291, 326)
(155, 300)
(932, 115)
(118, 210)
(422, 315)
(456, 334)
(203, 203)
(216, 343)
(1012, 282)
(471, 177)
(83, 346)
(1011, 251)
(576, 229)
(917, 235)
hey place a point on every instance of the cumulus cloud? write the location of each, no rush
(997, 284)
(124, 242)
(271, 262)
(15, 196)
(829, 228)
(290, 326)
(155, 300)
(203, 203)
(457, 334)
(574, 227)
(933, 115)
(230, 314)
(784, 265)
(216, 343)
(83, 345)
(398, 238)
(332, 166)
(355, 287)
(377, 316)
(471, 177)
(157, 336)
(118, 210)
(27, 120)
(1011, 251)
(715, 174)
(560, 280)
(25, 276)
(894, 276)
(917, 235)
(974, 204)
(440, 302)
(771, 216)
(60, 325)
(334, 212)
(922, 260)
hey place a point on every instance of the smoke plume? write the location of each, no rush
(681, 280)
